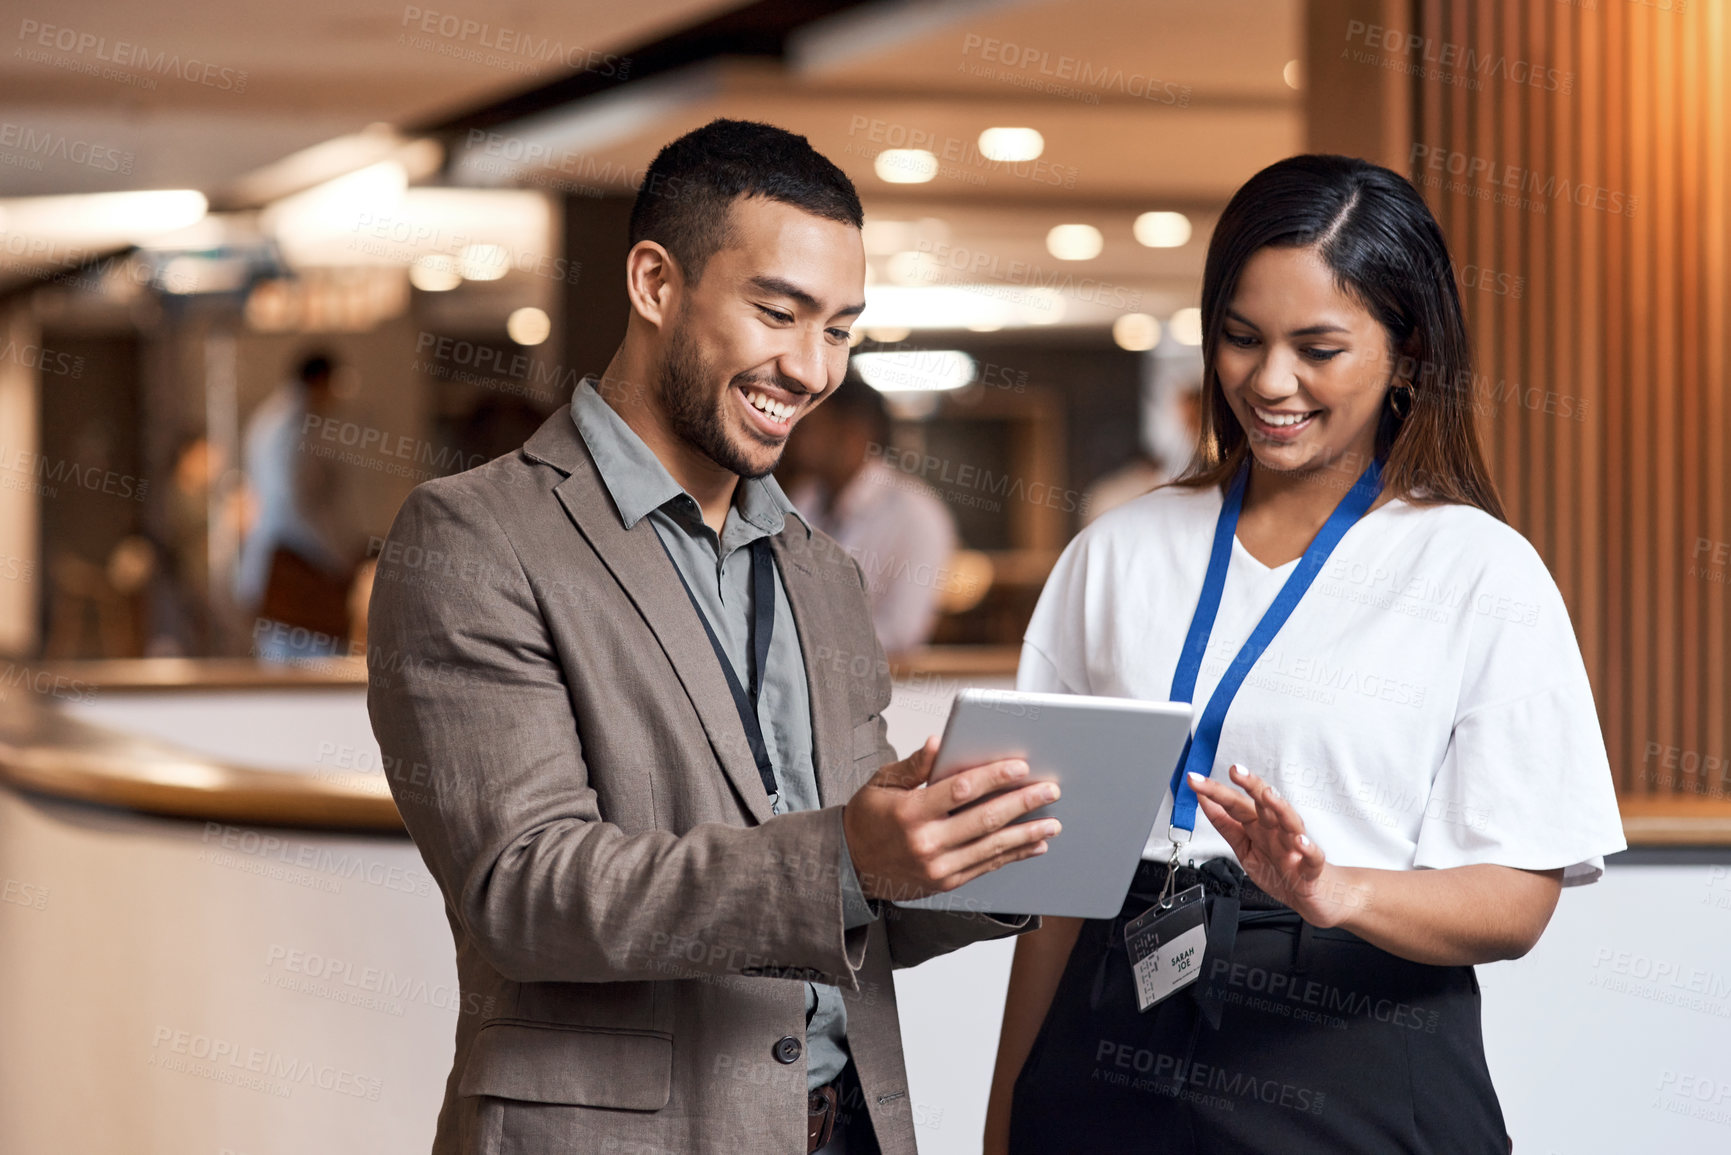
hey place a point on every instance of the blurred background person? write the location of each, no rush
(295, 564)
(896, 528)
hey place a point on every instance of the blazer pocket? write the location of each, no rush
(865, 738)
(538, 1063)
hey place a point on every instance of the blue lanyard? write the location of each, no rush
(1199, 750)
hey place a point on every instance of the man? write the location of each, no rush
(896, 528)
(297, 559)
(633, 713)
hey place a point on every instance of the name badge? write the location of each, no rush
(1166, 946)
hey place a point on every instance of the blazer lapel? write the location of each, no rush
(831, 748)
(641, 566)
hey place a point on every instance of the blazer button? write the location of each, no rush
(787, 1049)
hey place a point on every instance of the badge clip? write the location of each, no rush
(1178, 838)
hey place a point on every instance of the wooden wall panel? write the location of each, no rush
(1622, 316)
(1713, 283)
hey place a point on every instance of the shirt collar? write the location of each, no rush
(639, 483)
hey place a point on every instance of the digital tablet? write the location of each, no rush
(1112, 758)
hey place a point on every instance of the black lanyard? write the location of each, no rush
(762, 629)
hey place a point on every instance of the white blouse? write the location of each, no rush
(1424, 706)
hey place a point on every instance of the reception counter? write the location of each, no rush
(215, 937)
(232, 945)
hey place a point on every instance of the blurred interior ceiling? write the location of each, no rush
(1142, 104)
(200, 91)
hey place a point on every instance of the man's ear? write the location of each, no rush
(652, 281)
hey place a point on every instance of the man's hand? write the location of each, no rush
(906, 844)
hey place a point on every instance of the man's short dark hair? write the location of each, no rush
(684, 202)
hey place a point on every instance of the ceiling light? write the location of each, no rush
(434, 273)
(1186, 326)
(528, 326)
(1162, 230)
(333, 158)
(339, 206)
(98, 219)
(983, 307)
(187, 274)
(905, 165)
(1044, 307)
(1011, 144)
(1075, 242)
(483, 262)
(1136, 332)
(915, 370)
(1293, 74)
(362, 220)
(887, 334)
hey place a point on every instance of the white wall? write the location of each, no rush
(170, 988)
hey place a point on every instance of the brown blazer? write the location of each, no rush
(627, 914)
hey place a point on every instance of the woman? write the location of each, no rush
(1397, 763)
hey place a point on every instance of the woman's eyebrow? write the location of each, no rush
(1307, 331)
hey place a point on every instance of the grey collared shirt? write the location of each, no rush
(717, 570)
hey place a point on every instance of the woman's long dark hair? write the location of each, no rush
(1375, 232)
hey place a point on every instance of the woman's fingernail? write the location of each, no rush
(1237, 770)
(1304, 841)
(1195, 778)
(1273, 793)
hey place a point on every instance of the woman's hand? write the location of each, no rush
(1455, 916)
(1267, 835)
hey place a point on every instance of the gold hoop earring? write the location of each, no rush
(1400, 400)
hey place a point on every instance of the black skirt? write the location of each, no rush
(1325, 1044)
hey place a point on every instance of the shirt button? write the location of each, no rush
(787, 1050)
